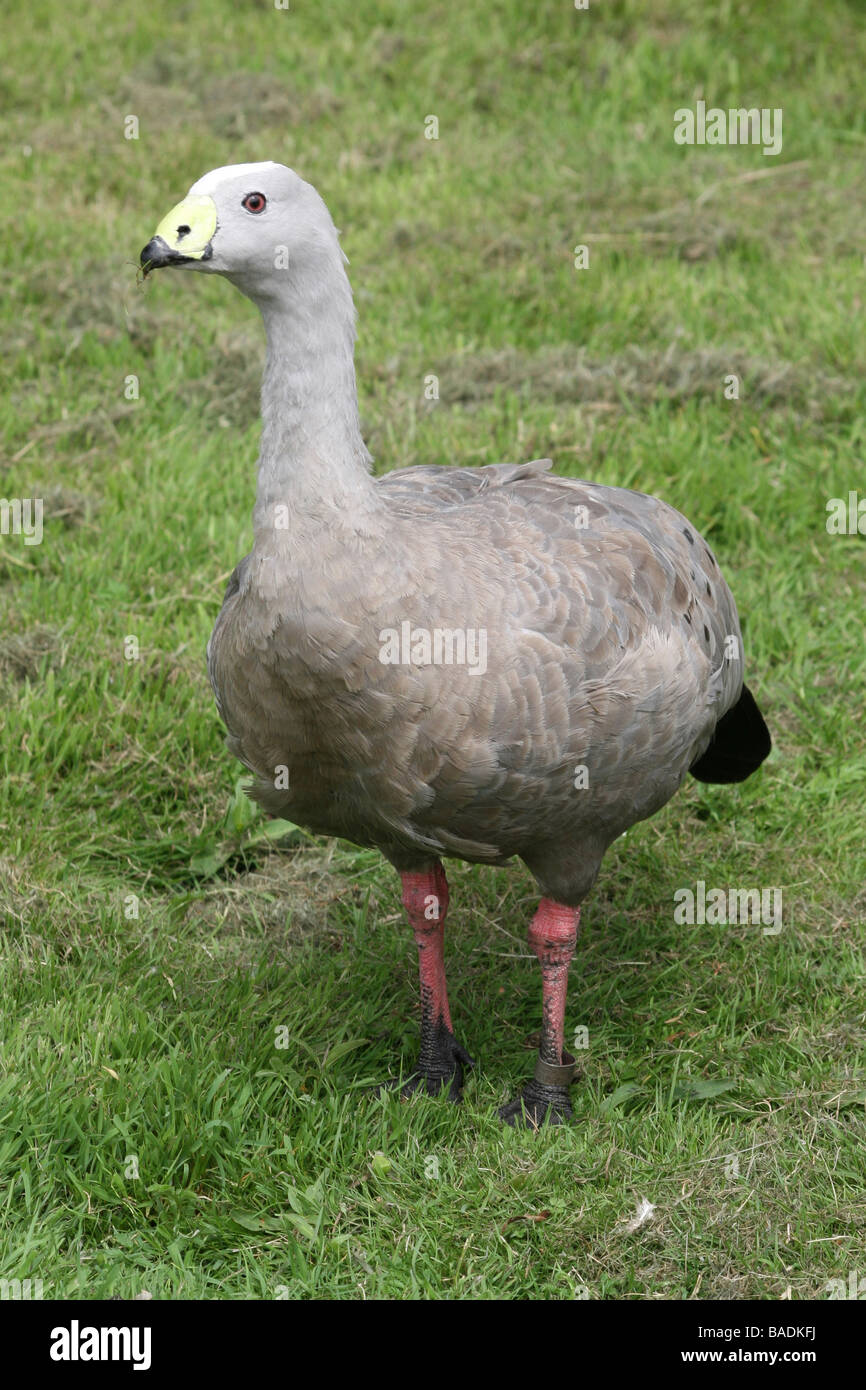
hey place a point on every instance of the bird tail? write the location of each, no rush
(740, 743)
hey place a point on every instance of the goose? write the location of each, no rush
(467, 662)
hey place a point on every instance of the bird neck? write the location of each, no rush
(313, 463)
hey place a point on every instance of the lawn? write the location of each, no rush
(194, 1011)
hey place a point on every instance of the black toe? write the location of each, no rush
(537, 1104)
(440, 1067)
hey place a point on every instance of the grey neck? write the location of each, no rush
(314, 467)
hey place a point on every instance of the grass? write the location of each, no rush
(153, 1135)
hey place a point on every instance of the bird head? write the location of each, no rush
(244, 221)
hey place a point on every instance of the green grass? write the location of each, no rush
(146, 1043)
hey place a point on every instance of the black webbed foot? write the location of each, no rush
(544, 1099)
(440, 1066)
(537, 1103)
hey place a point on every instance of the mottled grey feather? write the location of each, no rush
(606, 648)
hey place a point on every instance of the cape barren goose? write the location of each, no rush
(466, 662)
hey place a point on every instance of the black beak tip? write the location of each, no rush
(152, 254)
(157, 253)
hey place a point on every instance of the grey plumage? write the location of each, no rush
(589, 651)
(606, 649)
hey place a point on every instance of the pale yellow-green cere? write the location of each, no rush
(198, 213)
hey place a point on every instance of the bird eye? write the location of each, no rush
(255, 202)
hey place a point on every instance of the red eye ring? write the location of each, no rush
(255, 202)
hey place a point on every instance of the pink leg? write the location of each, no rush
(441, 1061)
(425, 898)
(553, 937)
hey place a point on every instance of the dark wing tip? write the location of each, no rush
(740, 744)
